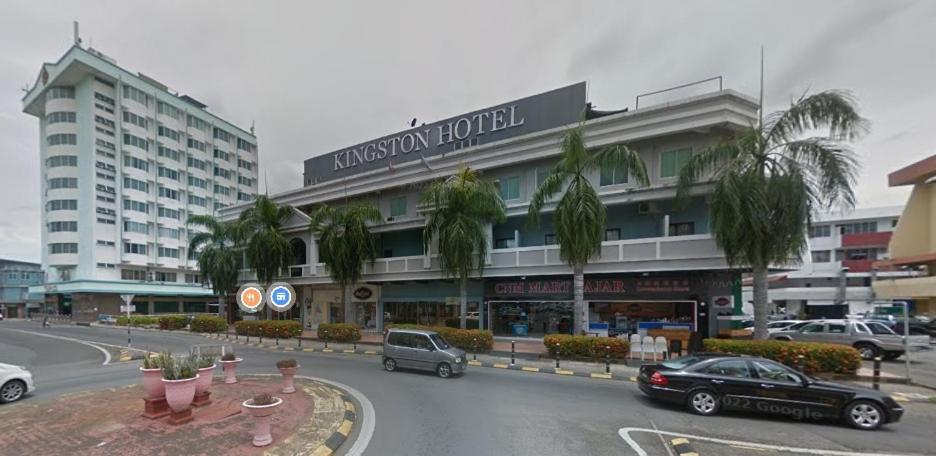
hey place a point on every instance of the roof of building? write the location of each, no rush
(914, 173)
(860, 213)
(5, 261)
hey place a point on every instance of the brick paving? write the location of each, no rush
(108, 422)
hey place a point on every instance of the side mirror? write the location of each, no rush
(804, 380)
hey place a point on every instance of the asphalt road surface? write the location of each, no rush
(485, 412)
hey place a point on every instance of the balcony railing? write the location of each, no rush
(878, 239)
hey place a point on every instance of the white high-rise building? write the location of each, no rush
(124, 162)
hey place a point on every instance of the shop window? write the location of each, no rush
(613, 175)
(398, 206)
(193, 307)
(510, 188)
(672, 161)
(505, 243)
(550, 239)
(682, 229)
(165, 307)
(821, 256)
(612, 234)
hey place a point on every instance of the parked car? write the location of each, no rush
(15, 381)
(419, 349)
(870, 338)
(778, 325)
(107, 319)
(1, 316)
(708, 384)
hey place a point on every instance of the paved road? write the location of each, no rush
(487, 411)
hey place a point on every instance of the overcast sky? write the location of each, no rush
(315, 77)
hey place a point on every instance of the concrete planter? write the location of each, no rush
(261, 415)
(288, 374)
(230, 370)
(153, 386)
(205, 377)
(179, 395)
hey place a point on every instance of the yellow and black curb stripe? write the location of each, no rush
(682, 447)
(339, 436)
(125, 355)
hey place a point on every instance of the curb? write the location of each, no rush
(682, 447)
(338, 437)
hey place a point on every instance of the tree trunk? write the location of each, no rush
(463, 294)
(578, 290)
(346, 298)
(760, 303)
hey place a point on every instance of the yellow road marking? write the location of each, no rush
(599, 375)
(500, 366)
(679, 441)
(564, 372)
(322, 451)
(633, 379)
(349, 406)
(474, 363)
(345, 428)
(308, 349)
(748, 448)
(327, 350)
(529, 369)
(348, 351)
(370, 352)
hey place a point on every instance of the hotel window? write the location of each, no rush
(60, 92)
(132, 274)
(135, 184)
(107, 266)
(245, 181)
(105, 122)
(62, 160)
(106, 221)
(220, 154)
(505, 243)
(244, 164)
(196, 163)
(221, 172)
(105, 243)
(682, 229)
(137, 141)
(55, 227)
(166, 152)
(398, 206)
(167, 109)
(196, 123)
(167, 252)
(168, 213)
(245, 145)
(135, 94)
(63, 182)
(161, 276)
(101, 97)
(194, 144)
(672, 161)
(63, 247)
(134, 119)
(62, 205)
(550, 239)
(168, 133)
(817, 231)
(197, 200)
(171, 233)
(105, 189)
(510, 188)
(137, 249)
(821, 256)
(541, 175)
(138, 206)
(222, 135)
(136, 227)
(62, 139)
(196, 182)
(612, 234)
(168, 193)
(611, 175)
(162, 171)
(226, 191)
(60, 117)
(241, 196)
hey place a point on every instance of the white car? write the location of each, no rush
(15, 381)
(780, 325)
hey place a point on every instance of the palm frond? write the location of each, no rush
(832, 166)
(833, 109)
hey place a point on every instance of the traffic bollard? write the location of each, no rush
(557, 355)
(801, 363)
(512, 351)
(474, 356)
(876, 378)
(325, 333)
(299, 338)
(607, 359)
(260, 336)
(277, 339)
(248, 337)
(355, 346)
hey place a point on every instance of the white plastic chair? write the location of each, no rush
(659, 347)
(635, 347)
(648, 348)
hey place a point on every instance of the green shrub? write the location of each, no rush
(173, 322)
(138, 320)
(470, 340)
(818, 358)
(208, 324)
(455, 322)
(586, 346)
(339, 332)
(284, 329)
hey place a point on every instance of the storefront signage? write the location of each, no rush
(552, 109)
(363, 293)
(599, 288)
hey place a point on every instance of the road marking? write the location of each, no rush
(529, 369)
(600, 375)
(348, 351)
(327, 350)
(564, 372)
(500, 366)
(669, 450)
(370, 352)
(625, 434)
(747, 448)
(367, 423)
(345, 428)
(107, 356)
(308, 349)
(474, 363)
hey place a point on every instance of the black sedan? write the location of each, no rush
(708, 383)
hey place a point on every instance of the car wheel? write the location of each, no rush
(864, 415)
(703, 402)
(867, 351)
(12, 391)
(389, 364)
(444, 370)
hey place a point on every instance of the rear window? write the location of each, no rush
(878, 328)
(681, 362)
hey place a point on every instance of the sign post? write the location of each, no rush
(127, 299)
(906, 337)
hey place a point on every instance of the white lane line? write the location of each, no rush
(107, 356)
(669, 450)
(625, 434)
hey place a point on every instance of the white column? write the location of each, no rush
(666, 225)
(489, 239)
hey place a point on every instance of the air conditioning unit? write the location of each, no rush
(389, 219)
(646, 208)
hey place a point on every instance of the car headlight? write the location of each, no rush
(458, 360)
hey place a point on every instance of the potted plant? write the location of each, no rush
(288, 368)
(206, 365)
(229, 364)
(179, 377)
(261, 407)
(154, 390)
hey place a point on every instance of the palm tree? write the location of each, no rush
(345, 243)
(217, 254)
(462, 206)
(769, 179)
(580, 216)
(266, 249)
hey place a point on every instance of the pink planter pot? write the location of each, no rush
(230, 370)
(261, 415)
(153, 386)
(205, 377)
(288, 374)
(180, 393)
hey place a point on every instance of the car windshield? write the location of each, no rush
(681, 362)
(878, 328)
(440, 342)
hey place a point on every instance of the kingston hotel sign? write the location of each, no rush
(547, 110)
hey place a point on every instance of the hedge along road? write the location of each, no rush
(495, 411)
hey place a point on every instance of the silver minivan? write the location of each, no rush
(419, 349)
